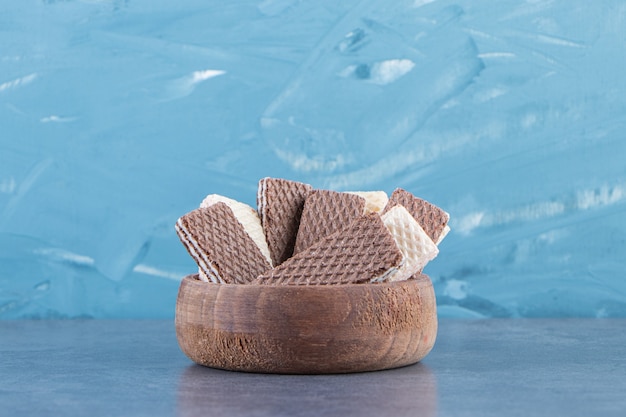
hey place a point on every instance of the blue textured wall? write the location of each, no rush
(117, 117)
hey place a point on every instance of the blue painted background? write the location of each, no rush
(117, 117)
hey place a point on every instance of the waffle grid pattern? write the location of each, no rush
(432, 219)
(280, 203)
(326, 212)
(363, 251)
(224, 242)
(416, 246)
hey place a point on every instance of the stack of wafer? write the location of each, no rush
(299, 235)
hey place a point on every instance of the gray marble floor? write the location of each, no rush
(567, 367)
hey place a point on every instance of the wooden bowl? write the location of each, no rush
(300, 329)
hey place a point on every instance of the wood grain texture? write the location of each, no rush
(297, 329)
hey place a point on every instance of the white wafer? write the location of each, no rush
(416, 246)
(247, 216)
(375, 201)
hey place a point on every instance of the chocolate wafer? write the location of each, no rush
(324, 213)
(223, 250)
(247, 216)
(361, 252)
(416, 246)
(280, 203)
(432, 219)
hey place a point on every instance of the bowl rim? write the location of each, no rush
(417, 279)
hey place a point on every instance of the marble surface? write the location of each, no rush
(496, 367)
